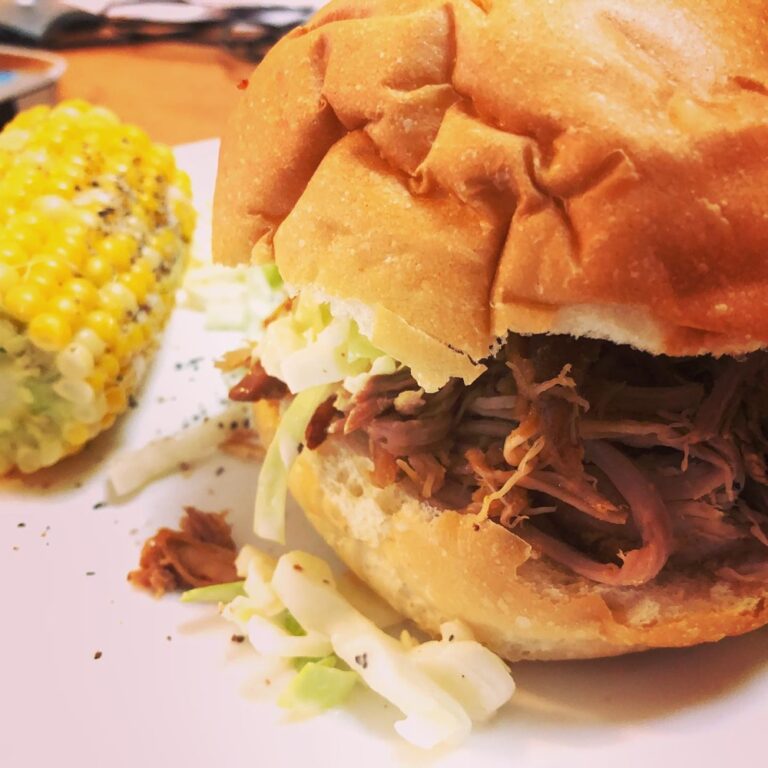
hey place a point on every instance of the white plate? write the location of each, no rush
(171, 690)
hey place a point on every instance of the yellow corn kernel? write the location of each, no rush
(104, 324)
(116, 299)
(83, 292)
(161, 158)
(49, 332)
(134, 340)
(67, 307)
(71, 248)
(98, 270)
(165, 242)
(108, 420)
(24, 301)
(98, 379)
(136, 284)
(9, 277)
(51, 271)
(144, 270)
(12, 253)
(75, 434)
(116, 399)
(184, 183)
(110, 365)
(26, 230)
(30, 118)
(117, 250)
(184, 214)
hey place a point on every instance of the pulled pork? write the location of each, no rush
(201, 554)
(607, 460)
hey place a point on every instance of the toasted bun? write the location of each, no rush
(437, 567)
(464, 168)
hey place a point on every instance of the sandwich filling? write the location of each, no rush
(609, 461)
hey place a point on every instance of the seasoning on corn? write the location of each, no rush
(95, 226)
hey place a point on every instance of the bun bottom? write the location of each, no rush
(433, 566)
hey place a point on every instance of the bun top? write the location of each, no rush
(457, 170)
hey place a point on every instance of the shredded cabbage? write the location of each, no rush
(233, 298)
(311, 351)
(441, 687)
(308, 346)
(216, 593)
(433, 716)
(268, 638)
(269, 514)
(132, 470)
(318, 685)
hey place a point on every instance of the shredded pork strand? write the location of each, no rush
(200, 554)
(607, 460)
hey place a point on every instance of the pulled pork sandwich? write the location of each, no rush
(527, 245)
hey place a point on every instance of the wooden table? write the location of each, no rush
(178, 92)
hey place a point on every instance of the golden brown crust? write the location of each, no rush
(434, 567)
(476, 167)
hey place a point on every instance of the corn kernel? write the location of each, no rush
(83, 292)
(118, 250)
(67, 307)
(51, 271)
(184, 214)
(98, 269)
(134, 340)
(108, 420)
(98, 379)
(91, 340)
(76, 434)
(12, 253)
(136, 284)
(75, 361)
(110, 365)
(74, 391)
(24, 301)
(9, 277)
(103, 324)
(49, 332)
(116, 299)
(116, 400)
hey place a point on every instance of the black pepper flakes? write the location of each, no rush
(219, 471)
(90, 573)
(362, 660)
(97, 655)
(475, 527)
(21, 525)
(100, 505)
(297, 567)
(237, 638)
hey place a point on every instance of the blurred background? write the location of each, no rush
(172, 67)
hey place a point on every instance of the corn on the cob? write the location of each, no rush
(95, 225)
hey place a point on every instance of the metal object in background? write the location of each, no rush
(246, 27)
(27, 77)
